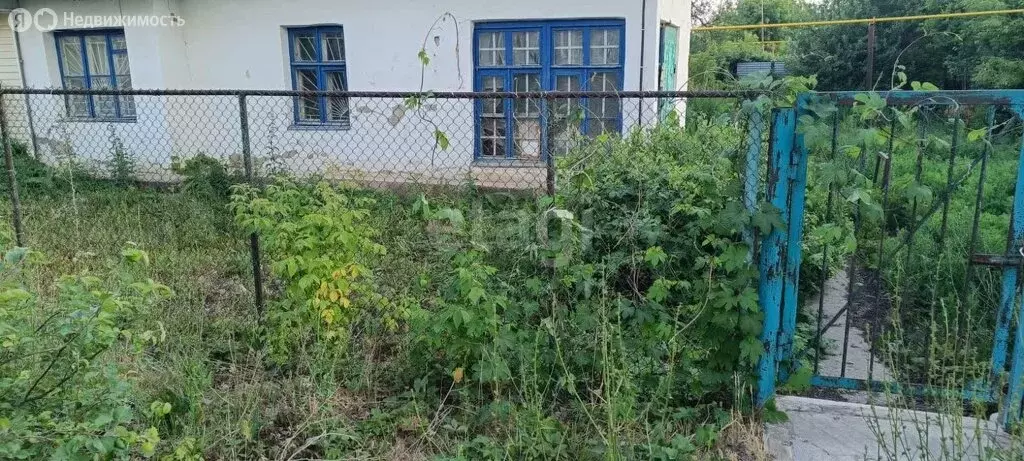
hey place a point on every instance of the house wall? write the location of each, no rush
(154, 54)
(242, 44)
(10, 77)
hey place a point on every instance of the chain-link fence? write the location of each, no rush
(490, 140)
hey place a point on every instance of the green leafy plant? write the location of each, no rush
(322, 249)
(62, 396)
(205, 176)
(122, 167)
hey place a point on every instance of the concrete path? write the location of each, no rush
(849, 430)
(859, 363)
(820, 430)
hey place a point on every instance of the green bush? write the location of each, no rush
(321, 248)
(205, 176)
(66, 364)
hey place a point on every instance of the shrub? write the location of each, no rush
(205, 176)
(664, 226)
(321, 248)
(63, 395)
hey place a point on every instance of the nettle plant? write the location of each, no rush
(66, 362)
(322, 249)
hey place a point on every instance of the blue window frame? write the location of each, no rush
(317, 57)
(557, 55)
(95, 59)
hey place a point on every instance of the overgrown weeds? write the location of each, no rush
(615, 320)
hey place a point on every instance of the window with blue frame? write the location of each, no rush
(317, 56)
(557, 55)
(96, 60)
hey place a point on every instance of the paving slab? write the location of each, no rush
(819, 430)
(860, 363)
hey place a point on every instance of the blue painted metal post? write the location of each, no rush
(1011, 410)
(794, 241)
(1005, 313)
(772, 257)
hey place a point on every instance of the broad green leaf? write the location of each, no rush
(655, 256)
(441, 139)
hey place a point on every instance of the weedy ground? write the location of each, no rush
(458, 324)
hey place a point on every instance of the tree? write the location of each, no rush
(952, 53)
(713, 54)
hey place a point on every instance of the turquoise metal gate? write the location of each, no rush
(897, 266)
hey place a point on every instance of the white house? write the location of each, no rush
(356, 45)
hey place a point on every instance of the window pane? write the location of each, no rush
(526, 48)
(603, 113)
(492, 122)
(604, 47)
(527, 117)
(524, 83)
(304, 44)
(565, 123)
(121, 63)
(568, 47)
(604, 81)
(124, 82)
(492, 49)
(306, 80)
(96, 55)
(563, 107)
(71, 56)
(117, 42)
(78, 105)
(493, 106)
(597, 126)
(309, 106)
(333, 45)
(337, 107)
(103, 105)
(492, 137)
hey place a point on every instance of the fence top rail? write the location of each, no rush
(938, 97)
(393, 94)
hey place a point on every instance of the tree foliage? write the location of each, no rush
(954, 53)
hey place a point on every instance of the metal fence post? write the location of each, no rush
(12, 180)
(254, 238)
(549, 156)
(773, 254)
(1010, 411)
(797, 158)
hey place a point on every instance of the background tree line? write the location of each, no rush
(954, 53)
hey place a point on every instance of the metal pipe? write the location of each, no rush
(254, 238)
(400, 94)
(643, 44)
(28, 102)
(836, 22)
(12, 180)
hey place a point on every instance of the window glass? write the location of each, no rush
(604, 47)
(318, 64)
(557, 55)
(568, 47)
(492, 49)
(304, 44)
(526, 48)
(95, 60)
(333, 45)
